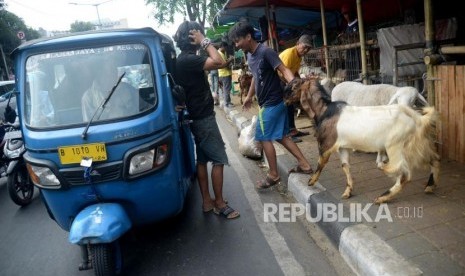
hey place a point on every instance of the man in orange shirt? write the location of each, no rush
(292, 58)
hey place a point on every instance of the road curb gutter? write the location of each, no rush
(364, 251)
(301, 191)
(367, 254)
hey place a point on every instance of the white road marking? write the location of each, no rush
(278, 245)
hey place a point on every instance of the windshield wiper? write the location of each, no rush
(102, 106)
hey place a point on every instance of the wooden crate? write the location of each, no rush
(450, 102)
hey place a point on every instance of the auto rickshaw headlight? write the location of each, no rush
(42, 176)
(148, 160)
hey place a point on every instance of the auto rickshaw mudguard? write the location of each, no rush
(99, 223)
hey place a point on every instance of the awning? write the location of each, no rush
(286, 17)
(299, 12)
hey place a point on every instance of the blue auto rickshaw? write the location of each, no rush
(105, 145)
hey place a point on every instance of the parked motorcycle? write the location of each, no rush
(19, 184)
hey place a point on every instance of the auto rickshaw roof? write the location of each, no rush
(92, 34)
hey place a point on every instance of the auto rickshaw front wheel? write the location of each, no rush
(106, 258)
(20, 185)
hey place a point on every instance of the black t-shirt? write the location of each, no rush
(191, 76)
(263, 64)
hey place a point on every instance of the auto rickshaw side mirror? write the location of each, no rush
(179, 93)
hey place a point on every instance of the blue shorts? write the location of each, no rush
(272, 123)
(209, 145)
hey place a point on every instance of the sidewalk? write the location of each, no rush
(427, 232)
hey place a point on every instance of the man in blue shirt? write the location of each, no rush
(272, 118)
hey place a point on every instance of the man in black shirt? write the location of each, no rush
(191, 75)
(353, 58)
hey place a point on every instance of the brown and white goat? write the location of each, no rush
(404, 134)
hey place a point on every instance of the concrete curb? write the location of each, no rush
(364, 251)
(367, 254)
(238, 120)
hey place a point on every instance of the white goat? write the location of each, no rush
(358, 94)
(406, 135)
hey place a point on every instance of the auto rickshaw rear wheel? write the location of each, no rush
(106, 258)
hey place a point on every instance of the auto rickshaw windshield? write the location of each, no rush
(70, 87)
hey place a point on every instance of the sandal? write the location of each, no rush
(298, 133)
(298, 169)
(210, 208)
(227, 212)
(296, 139)
(268, 182)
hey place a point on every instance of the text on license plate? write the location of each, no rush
(74, 154)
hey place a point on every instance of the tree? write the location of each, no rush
(10, 25)
(81, 26)
(196, 10)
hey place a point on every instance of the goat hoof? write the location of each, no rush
(345, 196)
(429, 189)
(380, 200)
(312, 181)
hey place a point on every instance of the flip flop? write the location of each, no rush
(227, 212)
(298, 169)
(301, 133)
(210, 208)
(295, 139)
(207, 210)
(268, 182)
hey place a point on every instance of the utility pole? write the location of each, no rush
(96, 8)
(4, 62)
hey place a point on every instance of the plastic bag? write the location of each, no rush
(247, 144)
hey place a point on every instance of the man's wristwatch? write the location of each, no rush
(205, 42)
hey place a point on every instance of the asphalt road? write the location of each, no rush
(192, 243)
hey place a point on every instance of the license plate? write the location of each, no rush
(74, 154)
